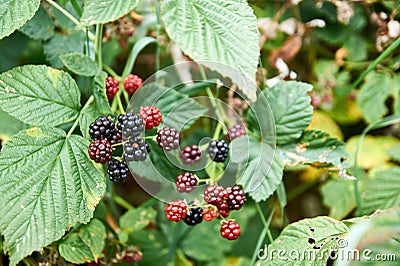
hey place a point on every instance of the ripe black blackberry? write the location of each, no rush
(168, 138)
(215, 195)
(194, 216)
(100, 151)
(112, 87)
(235, 132)
(135, 150)
(218, 150)
(190, 154)
(131, 125)
(236, 197)
(186, 182)
(102, 128)
(117, 137)
(117, 170)
(148, 149)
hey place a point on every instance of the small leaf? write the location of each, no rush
(103, 11)
(291, 107)
(50, 186)
(139, 45)
(381, 191)
(39, 95)
(80, 64)
(338, 195)
(178, 110)
(61, 44)
(99, 93)
(15, 13)
(86, 245)
(222, 32)
(136, 219)
(394, 152)
(40, 27)
(316, 236)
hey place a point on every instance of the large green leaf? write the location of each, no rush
(40, 26)
(314, 147)
(39, 95)
(88, 116)
(80, 64)
(86, 245)
(219, 31)
(260, 168)
(374, 92)
(48, 185)
(313, 238)
(135, 220)
(178, 110)
(338, 195)
(291, 107)
(382, 191)
(15, 13)
(102, 11)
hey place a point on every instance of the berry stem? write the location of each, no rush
(70, 17)
(98, 42)
(111, 72)
(119, 102)
(123, 203)
(89, 101)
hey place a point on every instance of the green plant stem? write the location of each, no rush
(69, 16)
(382, 56)
(89, 101)
(126, 96)
(123, 203)
(98, 45)
(120, 106)
(217, 131)
(158, 27)
(262, 73)
(76, 7)
(293, 193)
(111, 196)
(112, 72)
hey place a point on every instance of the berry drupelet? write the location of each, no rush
(102, 128)
(151, 116)
(218, 150)
(168, 138)
(117, 170)
(100, 151)
(190, 154)
(112, 87)
(186, 182)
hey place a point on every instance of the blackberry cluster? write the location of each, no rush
(131, 125)
(117, 170)
(186, 182)
(102, 128)
(176, 210)
(100, 151)
(135, 149)
(235, 132)
(190, 154)
(132, 83)
(168, 138)
(151, 116)
(194, 217)
(218, 150)
(217, 195)
(230, 230)
(112, 87)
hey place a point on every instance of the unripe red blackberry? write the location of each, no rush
(132, 83)
(236, 197)
(190, 154)
(168, 138)
(209, 213)
(223, 209)
(100, 151)
(151, 116)
(215, 195)
(176, 210)
(235, 132)
(230, 230)
(186, 182)
(112, 87)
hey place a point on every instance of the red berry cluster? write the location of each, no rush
(131, 84)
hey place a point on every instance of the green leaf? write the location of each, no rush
(135, 220)
(357, 48)
(222, 32)
(153, 244)
(87, 117)
(373, 94)
(80, 64)
(381, 191)
(102, 11)
(139, 45)
(314, 147)
(15, 13)
(50, 186)
(394, 152)
(40, 27)
(86, 245)
(179, 111)
(99, 93)
(61, 44)
(291, 107)
(338, 195)
(260, 168)
(9, 126)
(39, 95)
(316, 236)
